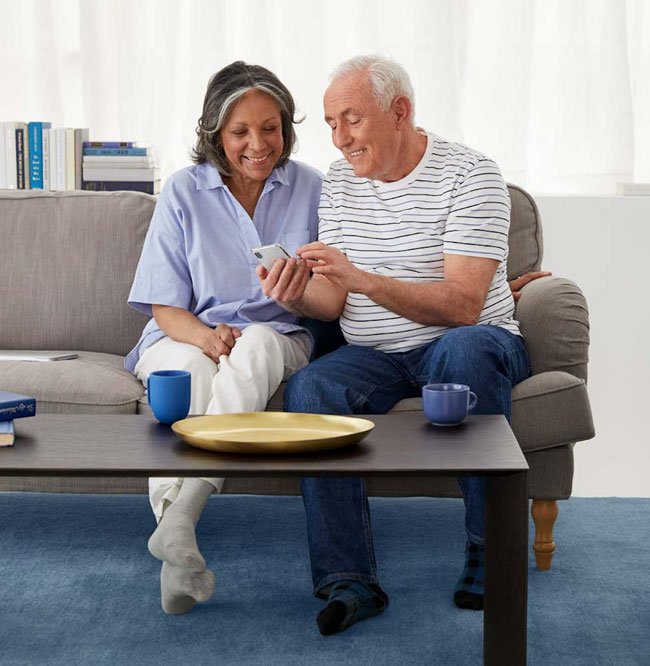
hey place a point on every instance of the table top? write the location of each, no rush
(401, 443)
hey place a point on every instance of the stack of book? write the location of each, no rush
(37, 156)
(119, 165)
(13, 406)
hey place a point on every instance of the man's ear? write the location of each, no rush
(401, 108)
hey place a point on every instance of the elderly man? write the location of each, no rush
(412, 256)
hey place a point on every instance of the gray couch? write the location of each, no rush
(67, 260)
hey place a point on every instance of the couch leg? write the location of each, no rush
(544, 513)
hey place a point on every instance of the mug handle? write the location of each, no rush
(472, 401)
(148, 389)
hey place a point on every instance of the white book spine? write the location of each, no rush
(69, 158)
(3, 167)
(46, 159)
(110, 174)
(123, 161)
(60, 158)
(10, 156)
(54, 183)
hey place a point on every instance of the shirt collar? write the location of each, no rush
(208, 178)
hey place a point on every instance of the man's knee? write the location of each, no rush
(467, 347)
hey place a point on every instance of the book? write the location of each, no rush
(53, 159)
(45, 143)
(147, 186)
(3, 173)
(80, 136)
(113, 162)
(10, 155)
(29, 355)
(16, 406)
(36, 168)
(109, 144)
(111, 173)
(69, 158)
(6, 433)
(22, 181)
(113, 152)
(60, 158)
(633, 189)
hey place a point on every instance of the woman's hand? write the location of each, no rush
(219, 341)
(519, 283)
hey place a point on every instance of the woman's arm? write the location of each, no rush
(183, 326)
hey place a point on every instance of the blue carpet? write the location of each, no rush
(79, 587)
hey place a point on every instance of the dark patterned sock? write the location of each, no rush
(348, 603)
(471, 584)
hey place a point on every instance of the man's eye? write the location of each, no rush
(354, 121)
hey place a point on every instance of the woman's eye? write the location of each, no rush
(239, 132)
(270, 129)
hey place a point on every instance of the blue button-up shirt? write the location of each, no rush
(198, 251)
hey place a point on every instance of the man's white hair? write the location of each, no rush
(387, 78)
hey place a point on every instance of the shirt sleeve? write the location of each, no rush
(479, 217)
(329, 228)
(163, 275)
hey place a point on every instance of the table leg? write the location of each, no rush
(506, 570)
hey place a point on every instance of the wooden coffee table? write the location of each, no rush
(400, 445)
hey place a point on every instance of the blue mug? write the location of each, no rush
(447, 404)
(169, 393)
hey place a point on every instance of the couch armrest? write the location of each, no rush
(554, 320)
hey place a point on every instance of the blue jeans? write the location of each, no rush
(361, 380)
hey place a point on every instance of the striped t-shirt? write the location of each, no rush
(454, 202)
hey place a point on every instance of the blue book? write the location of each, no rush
(16, 406)
(6, 433)
(116, 152)
(35, 133)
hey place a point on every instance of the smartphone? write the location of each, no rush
(268, 254)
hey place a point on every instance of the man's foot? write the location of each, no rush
(349, 602)
(174, 540)
(471, 584)
(181, 588)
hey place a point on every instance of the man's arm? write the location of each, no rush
(456, 300)
(289, 284)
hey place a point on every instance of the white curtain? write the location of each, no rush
(556, 91)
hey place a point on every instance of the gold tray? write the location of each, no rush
(272, 432)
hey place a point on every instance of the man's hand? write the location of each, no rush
(334, 265)
(519, 283)
(285, 283)
(219, 341)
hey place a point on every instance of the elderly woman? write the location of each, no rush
(196, 277)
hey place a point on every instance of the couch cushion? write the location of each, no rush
(94, 383)
(67, 262)
(525, 244)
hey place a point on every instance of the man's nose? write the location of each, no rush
(341, 136)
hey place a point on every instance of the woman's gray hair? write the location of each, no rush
(387, 78)
(225, 89)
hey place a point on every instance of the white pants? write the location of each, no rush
(242, 382)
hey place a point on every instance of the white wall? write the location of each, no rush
(602, 243)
